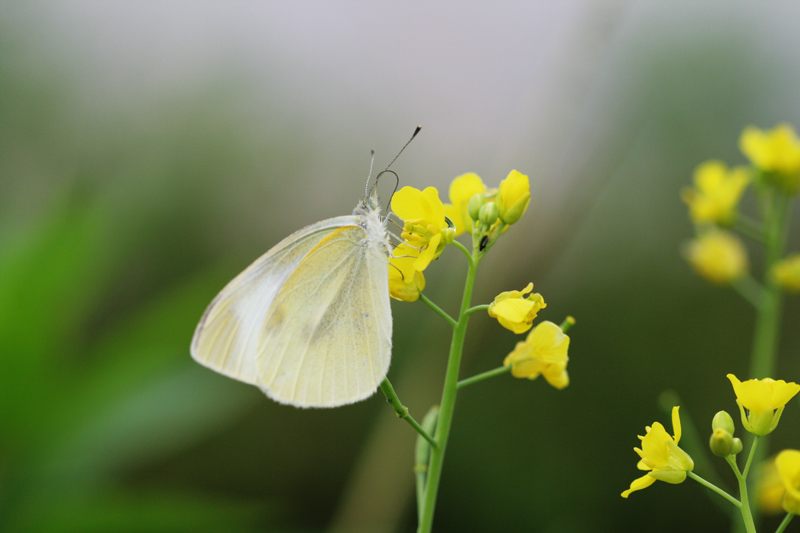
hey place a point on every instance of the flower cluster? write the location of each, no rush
(761, 403)
(719, 255)
(429, 225)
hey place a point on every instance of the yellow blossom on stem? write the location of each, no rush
(543, 352)
(462, 189)
(515, 311)
(424, 227)
(513, 197)
(718, 256)
(762, 401)
(769, 489)
(787, 273)
(716, 193)
(405, 282)
(776, 153)
(661, 455)
(788, 465)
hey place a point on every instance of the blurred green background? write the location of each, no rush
(150, 151)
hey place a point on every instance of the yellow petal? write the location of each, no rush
(639, 484)
(407, 203)
(676, 424)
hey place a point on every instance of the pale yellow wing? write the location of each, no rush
(326, 340)
(310, 321)
(226, 339)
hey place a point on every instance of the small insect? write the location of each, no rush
(309, 322)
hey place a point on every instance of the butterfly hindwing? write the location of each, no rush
(226, 337)
(337, 350)
(309, 322)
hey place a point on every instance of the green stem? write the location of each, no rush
(484, 375)
(750, 289)
(785, 523)
(465, 250)
(402, 410)
(747, 514)
(422, 456)
(476, 309)
(439, 311)
(750, 456)
(716, 489)
(767, 329)
(765, 339)
(447, 406)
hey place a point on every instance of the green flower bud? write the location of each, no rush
(474, 206)
(488, 213)
(721, 443)
(723, 420)
(737, 446)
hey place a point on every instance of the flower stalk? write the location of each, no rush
(447, 406)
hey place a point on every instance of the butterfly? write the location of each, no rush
(309, 322)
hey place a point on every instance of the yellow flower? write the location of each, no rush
(787, 273)
(769, 488)
(513, 197)
(775, 152)
(424, 227)
(716, 194)
(788, 464)
(405, 282)
(516, 312)
(661, 455)
(462, 189)
(543, 352)
(761, 402)
(718, 256)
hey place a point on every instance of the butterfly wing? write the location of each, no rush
(309, 322)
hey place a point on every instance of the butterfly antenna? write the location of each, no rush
(397, 178)
(404, 147)
(371, 162)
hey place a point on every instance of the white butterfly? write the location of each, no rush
(309, 322)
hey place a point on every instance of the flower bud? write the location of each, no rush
(474, 206)
(488, 213)
(737, 446)
(723, 420)
(513, 197)
(721, 443)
